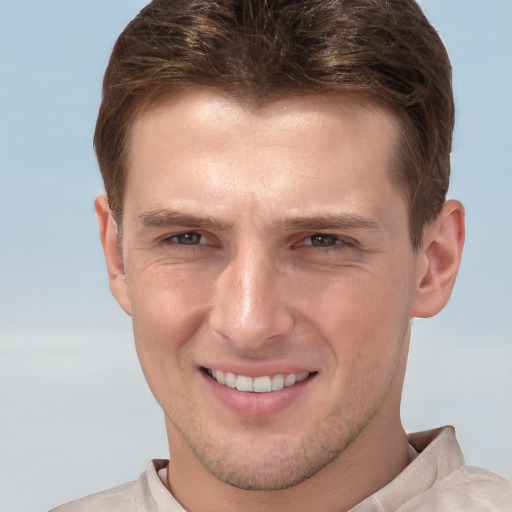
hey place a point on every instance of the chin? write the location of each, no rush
(273, 464)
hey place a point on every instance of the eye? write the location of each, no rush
(191, 238)
(322, 240)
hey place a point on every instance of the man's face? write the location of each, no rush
(264, 245)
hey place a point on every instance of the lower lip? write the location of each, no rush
(257, 404)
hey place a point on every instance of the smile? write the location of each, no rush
(263, 384)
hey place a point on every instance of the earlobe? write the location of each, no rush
(439, 261)
(113, 256)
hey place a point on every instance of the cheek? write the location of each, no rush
(363, 318)
(168, 307)
(168, 311)
(355, 296)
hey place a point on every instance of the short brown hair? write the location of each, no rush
(265, 49)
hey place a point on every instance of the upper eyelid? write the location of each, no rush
(345, 243)
(186, 233)
(342, 238)
(209, 238)
(311, 237)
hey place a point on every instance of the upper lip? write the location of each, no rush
(259, 369)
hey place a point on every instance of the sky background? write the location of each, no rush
(75, 413)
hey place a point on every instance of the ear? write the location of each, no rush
(112, 250)
(438, 261)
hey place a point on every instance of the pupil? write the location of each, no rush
(323, 240)
(189, 238)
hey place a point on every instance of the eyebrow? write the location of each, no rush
(345, 221)
(167, 218)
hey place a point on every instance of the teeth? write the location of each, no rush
(262, 384)
(230, 379)
(244, 383)
(301, 376)
(277, 382)
(220, 377)
(289, 380)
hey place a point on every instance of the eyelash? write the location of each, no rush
(334, 242)
(188, 233)
(171, 241)
(337, 243)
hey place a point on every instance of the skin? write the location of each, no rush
(270, 239)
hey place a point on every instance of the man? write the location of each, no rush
(275, 216)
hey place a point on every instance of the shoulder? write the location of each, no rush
(438, 479)
(117, 499)
(471, 486)
(141, 494)
(468, 489)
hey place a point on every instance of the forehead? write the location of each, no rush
(196, 104)
(213, 113)
(206, 142)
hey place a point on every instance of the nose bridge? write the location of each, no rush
(249, 309)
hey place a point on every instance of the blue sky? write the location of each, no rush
(53, 284)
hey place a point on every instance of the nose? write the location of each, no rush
(250, 306)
